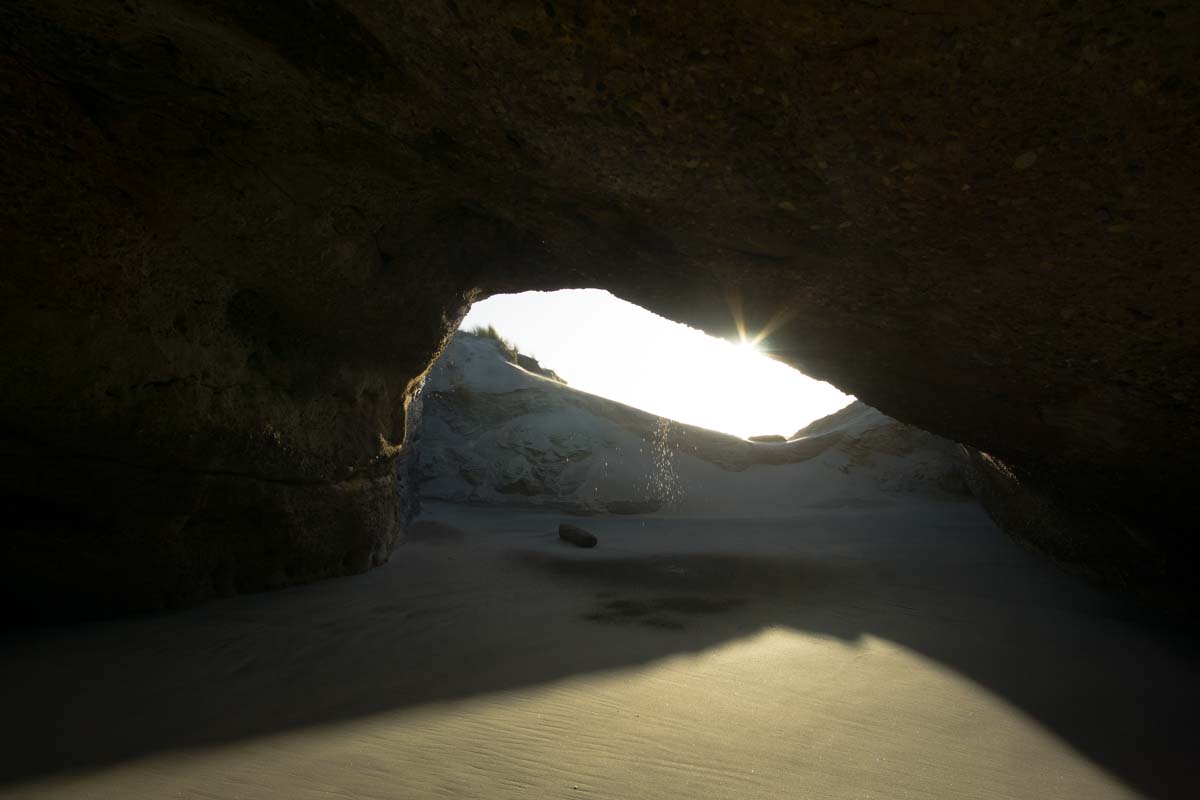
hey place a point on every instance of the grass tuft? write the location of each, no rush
(489, 332)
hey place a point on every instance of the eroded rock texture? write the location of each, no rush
(236, 232)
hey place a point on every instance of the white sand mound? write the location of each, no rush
(497, 434)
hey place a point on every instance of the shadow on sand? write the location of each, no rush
(456, 615)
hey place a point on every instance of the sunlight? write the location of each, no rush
(747, 347)
(606, 346)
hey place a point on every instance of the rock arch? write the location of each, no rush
(236, 234)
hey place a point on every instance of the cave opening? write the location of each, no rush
(612, 348)
(578, 402)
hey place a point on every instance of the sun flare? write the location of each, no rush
(606, 346)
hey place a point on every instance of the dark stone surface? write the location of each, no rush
(1076, 533)
(235, 234)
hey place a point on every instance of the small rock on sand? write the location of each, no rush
(575, 535)
(769, 437)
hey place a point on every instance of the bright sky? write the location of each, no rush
(606, 346)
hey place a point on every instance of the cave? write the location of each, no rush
(238, 234)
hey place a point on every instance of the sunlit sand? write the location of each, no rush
(908, 652)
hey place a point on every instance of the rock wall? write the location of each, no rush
(236, 234)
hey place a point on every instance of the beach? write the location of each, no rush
(906, 651)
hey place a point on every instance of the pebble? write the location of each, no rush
(576, 535)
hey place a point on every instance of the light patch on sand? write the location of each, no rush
(909, 652)
(608, 347)
(778, 714)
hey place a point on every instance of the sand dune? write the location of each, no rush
(495, 434)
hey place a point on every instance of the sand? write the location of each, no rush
(904, 652)
(492, 433)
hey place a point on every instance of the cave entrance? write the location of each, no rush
(608, 347)
(582, 402)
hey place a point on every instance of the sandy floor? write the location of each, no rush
(903, 653)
